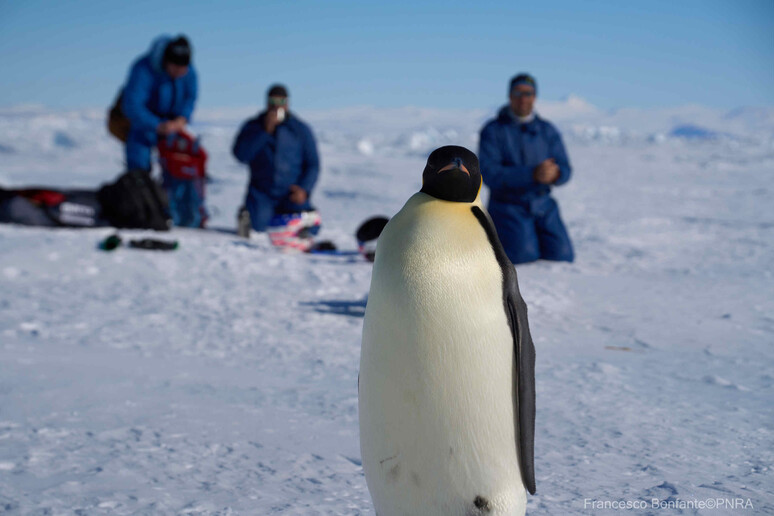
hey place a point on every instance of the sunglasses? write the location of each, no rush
(520, 94)
(278, 101)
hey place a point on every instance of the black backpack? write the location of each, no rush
(135, 200)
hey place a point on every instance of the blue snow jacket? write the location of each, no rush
(288, 157)
(509, 151)
(152, 96)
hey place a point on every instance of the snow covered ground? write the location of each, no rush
(221, 378)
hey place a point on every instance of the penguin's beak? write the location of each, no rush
(455, 163)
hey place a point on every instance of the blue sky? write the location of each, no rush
(422, 53)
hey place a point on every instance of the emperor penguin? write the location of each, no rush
(446, 392)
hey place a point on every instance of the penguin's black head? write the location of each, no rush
(452, 174)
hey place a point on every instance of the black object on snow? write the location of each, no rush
(154, 244)
(367, 234)
(135, 200)
(150, 244)
(110, 243)
(323, 246)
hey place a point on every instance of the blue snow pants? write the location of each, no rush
(138, 149)
(262, 207)
(532, 230)
(186, 201)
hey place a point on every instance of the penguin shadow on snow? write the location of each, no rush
(339, 307)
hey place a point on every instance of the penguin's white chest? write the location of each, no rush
(436, 386)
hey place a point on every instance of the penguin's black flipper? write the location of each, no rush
(524, 353)
(525, 362)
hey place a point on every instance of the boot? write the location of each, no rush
(243, 223)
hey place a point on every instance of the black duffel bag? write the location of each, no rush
(41, 206)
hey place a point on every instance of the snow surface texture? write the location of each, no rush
(222, 378)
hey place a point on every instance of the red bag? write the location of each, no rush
(182, 157)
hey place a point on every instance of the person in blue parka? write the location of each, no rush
(282, 154)
(158, 99)
(522, 157)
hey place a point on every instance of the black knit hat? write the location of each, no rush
(178, 52)
(277, 90)
(523, 78)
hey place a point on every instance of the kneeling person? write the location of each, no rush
(282, 154)
(522, 158)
